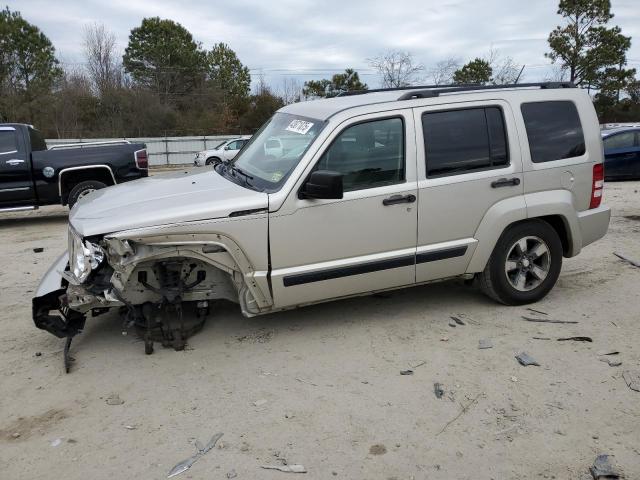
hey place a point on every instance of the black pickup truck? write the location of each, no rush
(32, 175)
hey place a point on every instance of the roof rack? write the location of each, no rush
(412, 87)
(434, 92)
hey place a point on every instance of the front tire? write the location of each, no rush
(212, 161)
(525, 264)
(82, 189)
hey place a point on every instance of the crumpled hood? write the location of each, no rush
(162, 199)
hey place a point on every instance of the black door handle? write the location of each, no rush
(395, 199)
(506, 182)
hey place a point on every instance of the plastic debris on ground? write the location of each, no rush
(632, 378)
(286, 468)
(406, 372)
(438, 390)
(576, 339)
(485, 343)
(608, 352)
(185, 465)
(114, 399)
(611, 363)
(525, 359)
(547, 320)
(602, 468)
(627, 259)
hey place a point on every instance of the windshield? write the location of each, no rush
(219, 145)
(275, 150)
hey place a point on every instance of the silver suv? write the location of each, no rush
(367, 192)
(222, 152)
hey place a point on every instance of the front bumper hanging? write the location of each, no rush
(51, 297)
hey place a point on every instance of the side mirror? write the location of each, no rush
(226, 147)
(323, 184)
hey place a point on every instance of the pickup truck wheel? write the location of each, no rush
(524, 265)
(212, 161)
(82, 189)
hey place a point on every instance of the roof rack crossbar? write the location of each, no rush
(430, 93)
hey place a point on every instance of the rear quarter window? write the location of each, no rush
(465, 140)
(554, 130)
(37, 140)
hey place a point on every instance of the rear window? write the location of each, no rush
(554, 130)
(461, 141)
(37, 140)
(8, 142)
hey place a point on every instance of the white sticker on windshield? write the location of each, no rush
(299, 126)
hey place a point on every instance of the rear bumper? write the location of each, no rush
(49, 308)
(594, 224)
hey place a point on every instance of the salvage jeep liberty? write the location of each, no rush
(371, 191)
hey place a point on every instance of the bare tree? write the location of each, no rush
(504, 69)
(73, 103)
(103, 67)
(290, 90)
(558, 73)
(442, 73)
(397, 68)
(261, 86)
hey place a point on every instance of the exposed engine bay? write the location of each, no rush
(152, 282)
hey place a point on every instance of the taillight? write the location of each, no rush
(142, 161)
(597, 185)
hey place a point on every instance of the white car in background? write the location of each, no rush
(226, 150)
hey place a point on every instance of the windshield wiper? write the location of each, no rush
(229, 168)
(241, 172)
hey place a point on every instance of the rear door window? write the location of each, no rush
(8, 141)
(554, 130)
(462, 141)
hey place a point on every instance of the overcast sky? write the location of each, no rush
(306, 39)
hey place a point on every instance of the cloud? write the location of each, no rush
(310, 39)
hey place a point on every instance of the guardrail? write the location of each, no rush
(161, 150)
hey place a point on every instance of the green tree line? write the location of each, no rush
(167, 83)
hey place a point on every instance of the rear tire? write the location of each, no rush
(82, 189)
(525, 264)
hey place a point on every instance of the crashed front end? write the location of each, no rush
(152, 279)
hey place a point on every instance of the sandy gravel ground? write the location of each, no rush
(321, 386)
